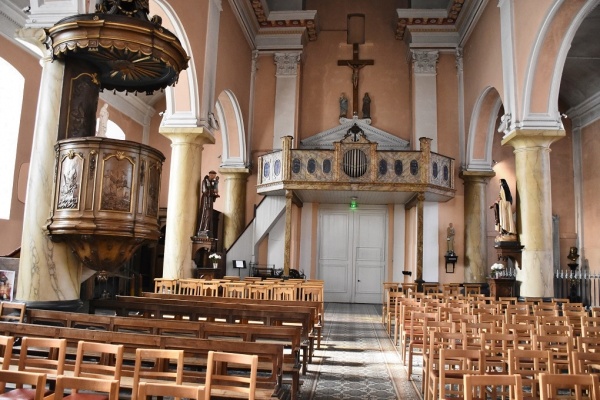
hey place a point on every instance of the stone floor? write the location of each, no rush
(357, 360)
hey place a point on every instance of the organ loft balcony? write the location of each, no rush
(357, 168)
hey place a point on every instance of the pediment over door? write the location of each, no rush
(326, 139)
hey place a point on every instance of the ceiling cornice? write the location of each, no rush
(267, 30)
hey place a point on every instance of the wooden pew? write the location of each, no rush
(318, 323)
(196, 351)
(289, 336)
(211, 311)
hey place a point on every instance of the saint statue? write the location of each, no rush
(209, 192)
(450, 238)
(505, 224)
(343, 106)
(103, 121)
(366, 108)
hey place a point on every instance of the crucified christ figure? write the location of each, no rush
(355, 69)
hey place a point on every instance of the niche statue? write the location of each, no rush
(209, 192)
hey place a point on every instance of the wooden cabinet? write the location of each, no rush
(502, 287)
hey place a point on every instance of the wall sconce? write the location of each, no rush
(354, 203)
(355, 29)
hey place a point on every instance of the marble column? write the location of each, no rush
(288, 233)
(420, 248)
(532, 161)
(235, 205)
(49, 273)
(184, 187)
(476, 257)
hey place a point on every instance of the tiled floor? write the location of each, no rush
(357, 360)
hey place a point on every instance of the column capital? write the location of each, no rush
(475, 176)
(529, 138)
(287, 63)
(425, 61)
(187, 135)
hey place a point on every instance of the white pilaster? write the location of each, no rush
(286, 96)
(425, 125)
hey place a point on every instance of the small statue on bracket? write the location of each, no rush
(209, 190)
(450, 239)
(505, 224)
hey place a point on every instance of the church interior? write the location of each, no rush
(434, 144)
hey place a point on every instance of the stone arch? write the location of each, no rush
(231, 125)
(546, 63)
(182, 99)
(482, 129)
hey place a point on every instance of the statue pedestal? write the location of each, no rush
(509, 251)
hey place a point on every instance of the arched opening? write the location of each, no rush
(12, 82)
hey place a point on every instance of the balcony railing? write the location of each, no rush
(357, 165)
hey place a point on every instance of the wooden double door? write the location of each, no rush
(352, 253)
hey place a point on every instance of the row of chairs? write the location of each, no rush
(424, 323)
(552, 386)
(99, 368)
(270, 289)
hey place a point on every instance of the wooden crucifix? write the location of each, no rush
(356, 64)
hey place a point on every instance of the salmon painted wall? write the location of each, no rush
(563, 195)
(482, 60)
(387, 81)
(448, 145)
(590, 144)
(29, 67)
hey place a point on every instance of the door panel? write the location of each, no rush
(370, 240)
(335, 255)
(352, 254)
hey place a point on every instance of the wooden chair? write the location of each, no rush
(585, 362)
(42, 356)
(260, 292)
(479, 387)
(575, 387)
(496, 347)
(416, 345)
(154, 364)
(6, 343)
(560, 347)
(588, 344)
(98, 360)
(237, 290)
(529, 364)
(284, 292)
(165, 285)
(36, 382)
(453, 365)
(86, 388)
(12, 312)
(392, 307)
(312, 292)
(524, 334)
(97, 369)
(187, 287)
(437, 342)
(388, 287)
(409, 289)
(158, 390)
(210, 288)
(218, 378)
